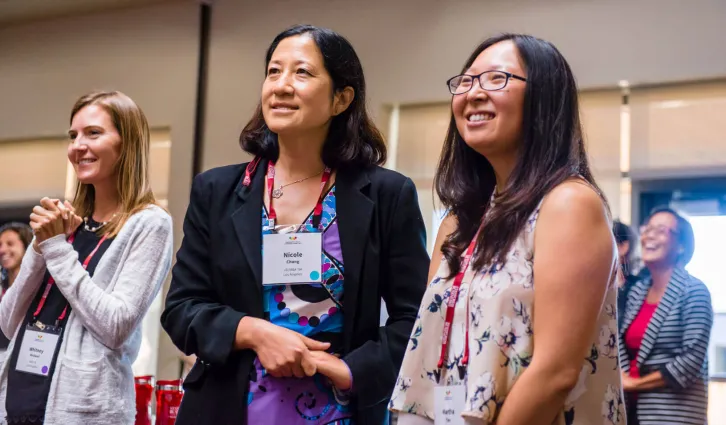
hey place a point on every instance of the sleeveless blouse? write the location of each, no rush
(501, 342)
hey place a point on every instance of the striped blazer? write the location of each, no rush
(676, 344)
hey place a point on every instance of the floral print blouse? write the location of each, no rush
(501, 300)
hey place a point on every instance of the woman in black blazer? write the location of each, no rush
(270, 352)
(666, 328)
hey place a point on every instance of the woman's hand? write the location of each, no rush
(334, 368)
(52, 218)
(282, 352)
(628, 382)
(72, 220)
(47, 220)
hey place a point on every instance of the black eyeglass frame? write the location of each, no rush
(478, 77)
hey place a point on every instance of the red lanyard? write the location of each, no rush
(251, 167)
(451, 306)
(51, 281)
(317, 212)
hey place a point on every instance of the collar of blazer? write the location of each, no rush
(673, 295)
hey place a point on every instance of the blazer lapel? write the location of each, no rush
(354, 210)
(671, 297)
(247, 221)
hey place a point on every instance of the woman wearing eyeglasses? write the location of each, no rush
(666, 328)
(518, 324)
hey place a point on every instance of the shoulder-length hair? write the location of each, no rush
(132, 169)
(25, 234)
(352, 138)
(552, 150)
(685, 237)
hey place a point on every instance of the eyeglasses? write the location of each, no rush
(488, 80)
(657, 230)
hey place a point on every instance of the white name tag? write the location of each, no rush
(291, 258)
(448, 405)
(37, 350)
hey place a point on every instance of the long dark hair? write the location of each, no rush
(352, 138)
(25, 233)
(552, 151)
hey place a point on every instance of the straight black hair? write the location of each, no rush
(352, 139)
(551, 152)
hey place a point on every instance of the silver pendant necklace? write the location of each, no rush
(277, 193)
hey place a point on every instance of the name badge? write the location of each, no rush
(292, 258)
(38, 349)
(448, 405)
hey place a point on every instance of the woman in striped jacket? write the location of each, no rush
(665, 330)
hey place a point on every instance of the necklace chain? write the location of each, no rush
(277, 193)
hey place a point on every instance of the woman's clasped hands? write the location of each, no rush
(285, 353)
(52, 218)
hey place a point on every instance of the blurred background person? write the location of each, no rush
(93, 269)
(666, 329)
(14, 241)
(627, 241)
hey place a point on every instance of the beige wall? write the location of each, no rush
(679, 127)
(410, 47)
(149, 53)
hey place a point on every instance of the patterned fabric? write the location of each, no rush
(501, 300)
(316, 311)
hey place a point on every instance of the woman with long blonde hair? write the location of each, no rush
(96, 264)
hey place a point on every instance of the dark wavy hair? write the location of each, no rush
(352, 138)
(25, 233)
(684, 234)
(552, 150)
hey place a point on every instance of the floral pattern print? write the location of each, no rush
(501, 333)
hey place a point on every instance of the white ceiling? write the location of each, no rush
(13, 11)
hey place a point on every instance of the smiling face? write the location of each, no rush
(12, 250)
(490, 122)
(95, 145)
(659, 240)
(297, 95)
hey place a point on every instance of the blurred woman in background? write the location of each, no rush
(666, 328)
(626, 241)
(14, 241)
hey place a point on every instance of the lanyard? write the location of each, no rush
(451, 304)
(51, 282)
(317, 212)
(250, 170)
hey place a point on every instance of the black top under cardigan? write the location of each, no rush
(217, 280)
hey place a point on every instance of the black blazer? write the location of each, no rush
(217, 280)
(676, 344)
